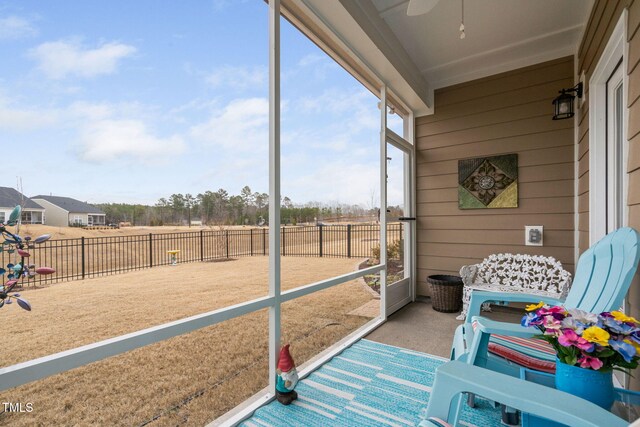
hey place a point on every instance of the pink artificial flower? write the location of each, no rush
(556, 309)
(551, 325)
(551, 322)
(590, 362)
(568, 338)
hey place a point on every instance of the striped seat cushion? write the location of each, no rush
(532, 353)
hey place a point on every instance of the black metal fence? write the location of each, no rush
(87, 257)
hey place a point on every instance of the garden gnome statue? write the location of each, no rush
(287, 377)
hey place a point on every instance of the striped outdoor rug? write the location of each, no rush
(368, 384)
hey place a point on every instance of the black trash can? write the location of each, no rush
(446, 292)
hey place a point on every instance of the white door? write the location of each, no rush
(400, 222)
(607, 134)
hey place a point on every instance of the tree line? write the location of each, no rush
(222, 208)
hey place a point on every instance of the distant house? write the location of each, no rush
(32, 213)
(65, 211)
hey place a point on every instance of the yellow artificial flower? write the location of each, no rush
(532, 307)
(596, 335)
(621, 317)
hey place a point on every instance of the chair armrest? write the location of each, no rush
(488, 326)
(453, 378)
(479, 297)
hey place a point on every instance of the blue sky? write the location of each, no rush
(130, 101)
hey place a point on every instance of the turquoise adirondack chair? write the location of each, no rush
(454, 378)
(603, 276)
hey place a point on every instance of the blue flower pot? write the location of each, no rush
(594, 386)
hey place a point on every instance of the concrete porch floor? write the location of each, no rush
(417, 326)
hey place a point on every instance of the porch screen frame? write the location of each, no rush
(409, 178)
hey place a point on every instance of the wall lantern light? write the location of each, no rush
(563, 104)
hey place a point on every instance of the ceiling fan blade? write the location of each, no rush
(420, 7)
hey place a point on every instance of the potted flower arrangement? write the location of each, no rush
(589, 347)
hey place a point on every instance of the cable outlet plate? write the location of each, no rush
(533, 235)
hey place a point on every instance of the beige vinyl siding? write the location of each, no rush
(83, 217)
(54, 215)
(501, 114)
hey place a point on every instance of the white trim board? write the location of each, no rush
(392, 72)
(576, 172)
(615, 50)
(506, 58)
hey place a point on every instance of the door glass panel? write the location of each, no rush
(396, 229)
(615, 148)
(619, 166)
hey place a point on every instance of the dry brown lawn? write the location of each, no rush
(76, 232)
(187, 380)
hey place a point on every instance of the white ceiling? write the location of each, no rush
(501, 35)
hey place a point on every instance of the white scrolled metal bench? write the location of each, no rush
(531, 274)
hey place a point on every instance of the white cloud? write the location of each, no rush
(231, 171)
(16, 119)
(90, 111)
(347, 120)
(354, 110)
(311, 59)
(194, 105)
(338, 102)
(99, 132)
(93, 111)
(338, 180)
(14, 27)
(106, 140)
(242, 125)
(317, 65)
(238, 77)
(60, 59)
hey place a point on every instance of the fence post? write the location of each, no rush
(150, 250)
(226, 233)
(264, 241)
(251, 240)
(320, 239)
(348, 240)
(284, 251)
(83, 258)
(201, 245)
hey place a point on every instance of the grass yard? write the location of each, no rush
(76, 232)
(187, 380)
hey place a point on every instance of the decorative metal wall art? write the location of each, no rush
(488, 182)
